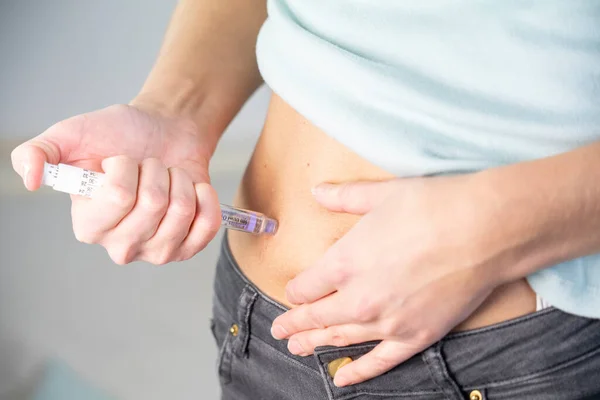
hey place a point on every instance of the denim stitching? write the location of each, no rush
(444, 370)
(540, 374)
(288, 358)
(501, 325)
(323, 375)
(248, 297)
(346, 348)
(388, 394)
(432, 358)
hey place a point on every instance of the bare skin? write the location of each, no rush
(291, 157)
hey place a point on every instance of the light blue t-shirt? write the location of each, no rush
(447, 86)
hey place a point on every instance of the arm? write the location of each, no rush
(156, 203)
(460, 238)
(549, 208)
(206, 68)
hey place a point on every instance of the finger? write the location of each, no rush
(353, 197)
(206, 223)
(328, 311)
(28, 161)
(327, 275)
(175, 225)
(93, 218)
(141, 223)
(385, 356)
(304, 343)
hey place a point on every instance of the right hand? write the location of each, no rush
(156, 203)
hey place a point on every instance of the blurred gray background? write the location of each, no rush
(133, 332)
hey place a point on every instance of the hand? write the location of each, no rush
(408, 272)
(156, 203)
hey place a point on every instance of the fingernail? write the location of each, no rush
(295, 347)
(26, 171)
(278, 332)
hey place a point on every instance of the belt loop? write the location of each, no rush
(245, 304)
(439, 372)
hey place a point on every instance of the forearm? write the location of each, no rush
(543, 212)
(206, 68)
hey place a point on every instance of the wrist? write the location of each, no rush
(513, 229)
(187, 98)
(178, 98)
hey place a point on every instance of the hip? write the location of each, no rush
(545, 354)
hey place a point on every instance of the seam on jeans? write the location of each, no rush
(360, 391)
(353, 395)
(227, 252)
(295, 362)
(436, 365)
(501, 325)
(425, 356)
(539, 374)
(247, 299)
(342, 349)
(323, 375)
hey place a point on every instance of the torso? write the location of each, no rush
(291, 157)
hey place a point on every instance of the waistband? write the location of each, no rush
(491, 356)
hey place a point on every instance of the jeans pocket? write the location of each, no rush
(410, 380)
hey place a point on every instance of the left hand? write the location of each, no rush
(407, 273)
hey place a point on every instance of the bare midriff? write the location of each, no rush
(290, 158)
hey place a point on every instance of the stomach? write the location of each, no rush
(291, 157)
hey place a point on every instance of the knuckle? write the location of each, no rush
(367, 309)
(154, 200)
(122, 197)
(338, 338)
(213, 225)
(341, 267)
(389, 327)
(425, 335)
(183, 256)
(340, 274)
(183, 206)
(163, 258)
(381, 362)
(121, 256)
(84, 236)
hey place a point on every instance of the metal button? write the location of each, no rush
(336, 364)
(475, 395)
(234, 330)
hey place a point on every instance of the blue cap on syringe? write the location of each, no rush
(74, 180)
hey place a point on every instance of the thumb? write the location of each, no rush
(28, 160)
(353, 197)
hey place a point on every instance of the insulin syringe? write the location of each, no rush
(83, 182)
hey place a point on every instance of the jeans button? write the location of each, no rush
(234, 330)
(336, 364)
(475, 395)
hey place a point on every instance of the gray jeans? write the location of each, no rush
(545, 355)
